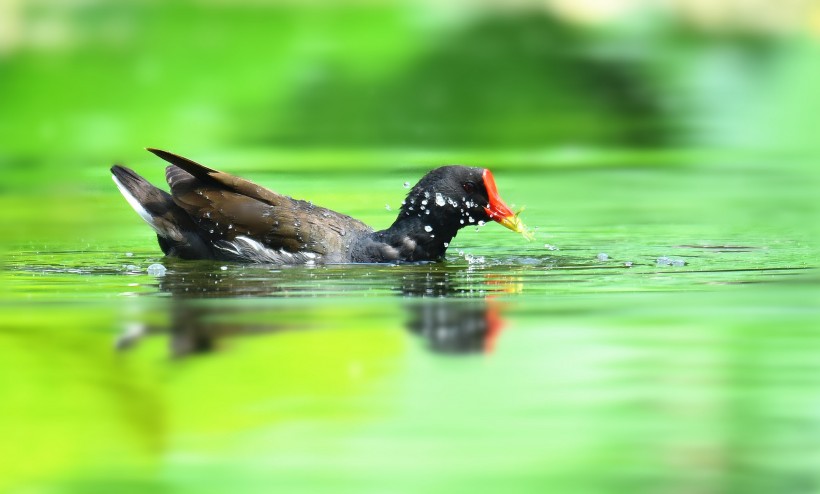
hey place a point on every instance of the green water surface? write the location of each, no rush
(513, 366)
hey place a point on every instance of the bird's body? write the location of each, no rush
(213, 215)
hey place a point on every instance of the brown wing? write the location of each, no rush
(225, 207)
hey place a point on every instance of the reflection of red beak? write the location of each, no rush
(498, 210)
(494, 326)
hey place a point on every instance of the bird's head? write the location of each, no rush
(462, 194)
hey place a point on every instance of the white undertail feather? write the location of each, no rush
(145, 215)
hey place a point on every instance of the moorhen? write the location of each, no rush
(213, 215)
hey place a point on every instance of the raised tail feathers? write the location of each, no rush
(176, 232)
(147, 200)
(200, 171)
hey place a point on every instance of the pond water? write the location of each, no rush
(576, 362)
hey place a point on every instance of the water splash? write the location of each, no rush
(667, 261)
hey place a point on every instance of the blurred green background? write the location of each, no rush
(394, 85)
(638, 129)
(85, 82)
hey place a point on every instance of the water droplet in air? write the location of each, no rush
(223, 268)
(406, 185)
(446, 244)
(471, 219)
(461, 221)
(481, 223)
(440, 199)
(428, 228)
(387, 207)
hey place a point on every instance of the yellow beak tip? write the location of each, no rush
(515, 224)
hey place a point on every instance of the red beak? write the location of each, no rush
(498, 210)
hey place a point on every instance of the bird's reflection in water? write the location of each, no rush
(449, 318)
(450, 309)
(467, 327)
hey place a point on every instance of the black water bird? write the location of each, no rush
(213, 215)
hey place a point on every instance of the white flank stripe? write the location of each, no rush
(247, 249)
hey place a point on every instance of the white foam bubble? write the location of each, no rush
(156, 270)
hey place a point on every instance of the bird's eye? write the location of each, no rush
(468, 187)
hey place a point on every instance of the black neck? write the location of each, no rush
(409, 234)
